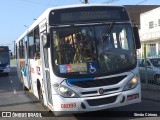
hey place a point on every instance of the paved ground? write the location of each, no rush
(12, 96)
(151, 92)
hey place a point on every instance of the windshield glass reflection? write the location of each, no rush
(3, 57)
(94, 49)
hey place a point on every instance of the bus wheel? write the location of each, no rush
(40, 94)
(41, 98)
(24, 87)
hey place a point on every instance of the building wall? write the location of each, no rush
(150, 32)
(135, 11)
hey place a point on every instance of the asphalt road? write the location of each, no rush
(13, 98)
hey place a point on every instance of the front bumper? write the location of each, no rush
(86, 104)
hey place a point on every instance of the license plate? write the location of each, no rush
(131, 97)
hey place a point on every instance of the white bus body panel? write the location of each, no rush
(59, 101)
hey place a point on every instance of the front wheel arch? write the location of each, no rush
(39, 89)
(23, 84)
(40, 94)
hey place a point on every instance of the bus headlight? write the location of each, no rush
(131, 84)
(67, 93)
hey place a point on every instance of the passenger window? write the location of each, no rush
(37, 43)
(31, 45)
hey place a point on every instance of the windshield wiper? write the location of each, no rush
(105, 37)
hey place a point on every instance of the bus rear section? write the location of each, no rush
(4, 60)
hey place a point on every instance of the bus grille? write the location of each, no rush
(94, 92)
(102, 101)
(98, 82)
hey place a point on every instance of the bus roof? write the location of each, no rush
(82, 5)
(45, 14)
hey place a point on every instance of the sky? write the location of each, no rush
(16, 15)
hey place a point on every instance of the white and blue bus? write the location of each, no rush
(4, 60)
(81, 58)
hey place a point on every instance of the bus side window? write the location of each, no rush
(31, 45)
(37, 43)
(17, 50)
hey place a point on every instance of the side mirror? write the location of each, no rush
(136, 37)
(45, 40)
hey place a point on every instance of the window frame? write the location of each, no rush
(151, 24)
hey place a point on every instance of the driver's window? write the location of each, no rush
(120, 37)
(123, 39)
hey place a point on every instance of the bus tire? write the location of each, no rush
(41, 98)
(40, 94)
(25, 88)
(23, 85)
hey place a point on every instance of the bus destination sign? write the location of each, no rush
(93, 14)
(89, 15)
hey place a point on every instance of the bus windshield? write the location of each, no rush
(93, 49)
(4, 55)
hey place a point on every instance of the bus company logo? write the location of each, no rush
(101, 91)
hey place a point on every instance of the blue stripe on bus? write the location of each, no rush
(69, 81)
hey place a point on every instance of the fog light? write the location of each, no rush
(123, 99)
(83, 105)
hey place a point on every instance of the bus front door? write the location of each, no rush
(45, 68)
(27, 73)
